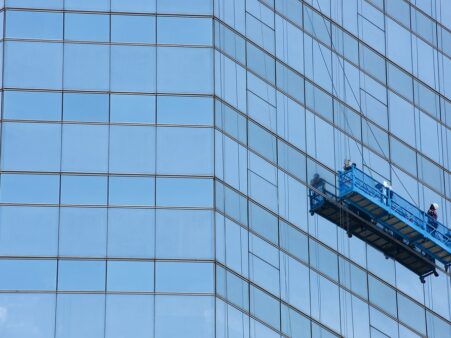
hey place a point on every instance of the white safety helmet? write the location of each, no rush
(435, 205)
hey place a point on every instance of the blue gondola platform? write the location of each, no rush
(377, 215)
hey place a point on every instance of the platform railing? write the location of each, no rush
(355, 180)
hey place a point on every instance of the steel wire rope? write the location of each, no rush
(345, 239)
(333, 86)
(360, 107)
(222, 85)
(355, 98)
(238, 155)
(316, 233)
(285, 259)
(445, 156)
(286, 265)
(249, 265)
(344, 242)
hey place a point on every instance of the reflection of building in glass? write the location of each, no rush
(156, 156)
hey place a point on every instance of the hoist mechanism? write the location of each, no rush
(371, 211)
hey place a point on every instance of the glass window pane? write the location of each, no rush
(293, 241)
(399, 43)
(260, 28)
(184, 150)
(323, 259)
(294, 324)
(230, 121)
(86, 27)
(28, 314)
(382, 326)
(437, 327)
(133, 68)
(261, 63)
(50, 4)
(133, 28)
(86, 66)
(317, 25)
(43, 70)
(80, 315)
(265, 307)
(184, 277)
(264, 264)
(138, 6)
(292, 9)
(15, 188)
(372, 63)
(184, 31)
(382, 295)
(139, 138)
(184, 316)
(404, 156)
(232, 288)
(185, 110)
(129, 316)
(264, 223)
(262, 141)
(32, 105)
(27, 274)
(86, 107)
(31, 146)
(353, 278)
(83, 232)
(85, 148)
(131, 232)
(38, 25)
(295, 288)
(185, 70)
(188, 192)
(325, 300)
(184, 234)
(28, 231)
(83, 189)
(400, 10)
(93, 5)
(411, 314)
(400, 81)
(132, 190)
(230, 42)
(424, 26)
(231, 203)
(426, 99)
(130, 276)
(133, 108)
(185, 7)
(292, 160)
(321, 332)
(291, 121)
(81, 275)
(319, 101)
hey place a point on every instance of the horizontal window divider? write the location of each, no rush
(105, 12)
(108, 259)
(63, 292)
(142, 124)
(104, 206)
(105, 43)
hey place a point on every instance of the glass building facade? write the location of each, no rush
(156, 155)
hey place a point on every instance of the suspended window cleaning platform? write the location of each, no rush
(374, 213)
